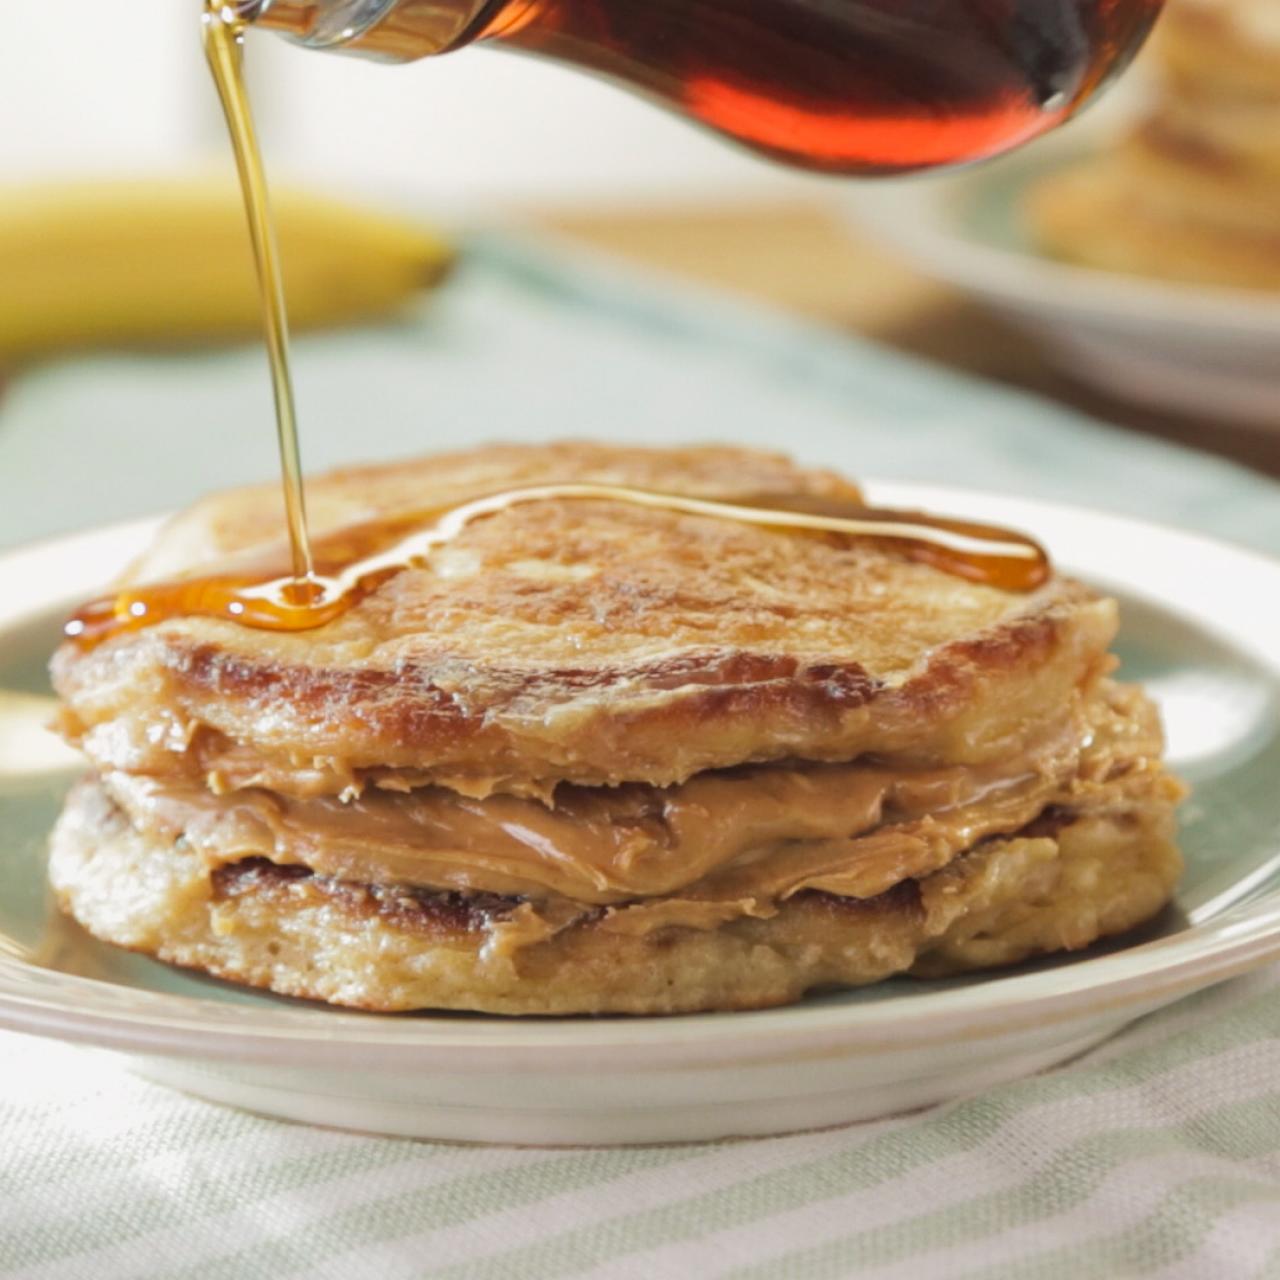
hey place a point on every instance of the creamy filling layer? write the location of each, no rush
(723, 845)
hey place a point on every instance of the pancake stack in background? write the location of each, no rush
(1192, 193)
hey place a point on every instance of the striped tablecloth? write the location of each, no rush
(1156, 1155)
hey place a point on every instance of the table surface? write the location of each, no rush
(801, 257)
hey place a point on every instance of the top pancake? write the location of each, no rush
(579, 640)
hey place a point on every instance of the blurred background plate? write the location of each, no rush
(1192, 349)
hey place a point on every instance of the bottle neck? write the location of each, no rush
(393, 30)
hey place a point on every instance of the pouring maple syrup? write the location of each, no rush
(224, 48)
(359, 559)
(845, 86)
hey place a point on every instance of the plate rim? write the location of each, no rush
(1119, 984)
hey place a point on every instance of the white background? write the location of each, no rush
(82, 88)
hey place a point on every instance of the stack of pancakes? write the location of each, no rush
(594, 757)
(1193, 192)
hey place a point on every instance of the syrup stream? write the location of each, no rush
(224, 48)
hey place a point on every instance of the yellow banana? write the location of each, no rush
(168, 261)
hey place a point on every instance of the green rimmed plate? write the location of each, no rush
(1200, 628)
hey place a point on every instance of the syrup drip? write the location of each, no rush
(358, 560)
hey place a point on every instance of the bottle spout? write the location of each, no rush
(393, 30)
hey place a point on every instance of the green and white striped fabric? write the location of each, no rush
(1156, 1155)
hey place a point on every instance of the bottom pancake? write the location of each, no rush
(1060, 883)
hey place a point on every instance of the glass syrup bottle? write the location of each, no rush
(844, 86)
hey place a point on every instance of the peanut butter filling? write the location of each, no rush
(722, 845)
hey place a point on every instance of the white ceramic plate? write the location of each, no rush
(1196, 630)
(1211, 352)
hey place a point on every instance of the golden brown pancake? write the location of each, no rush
(1218, 138)
(1103, 214)
(1190, 193)
(582, 641)
(590, 757)
(1222, 49)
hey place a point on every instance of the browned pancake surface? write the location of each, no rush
(588, 641)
